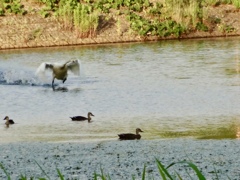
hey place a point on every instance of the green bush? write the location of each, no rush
(165, 28)
(202, 27)
(2, 12)
(14, 6)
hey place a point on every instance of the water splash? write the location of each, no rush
(17, 75)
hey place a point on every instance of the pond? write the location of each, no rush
(169, 89)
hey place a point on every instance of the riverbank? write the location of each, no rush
(121, 159)
(36, 30)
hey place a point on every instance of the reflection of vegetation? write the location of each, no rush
(203, 133)
(218, 133)
(230, 71)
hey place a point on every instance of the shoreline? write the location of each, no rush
(121, 159)
(115, 40)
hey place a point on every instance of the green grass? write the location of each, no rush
(164, 172)
(161, 18)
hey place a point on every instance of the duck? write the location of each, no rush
(130, 136)
(82, 118)
(8, 121)
(59, 71)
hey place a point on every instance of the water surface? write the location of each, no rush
(169, 89)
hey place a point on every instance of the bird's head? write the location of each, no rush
(138, 130)
(90, 114)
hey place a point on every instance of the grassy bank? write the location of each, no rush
(163, 18)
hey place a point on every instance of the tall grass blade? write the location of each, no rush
(178, 175)
(5, 171)
(216, 173)
(23, 177)
(144, 172)
(188, 174)
(109, 177)
(42, 169)
(60, 175)
(191, 165)
(163, 171)
(95, 176)
(102, 177)
(194, 167)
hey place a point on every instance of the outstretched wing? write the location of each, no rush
(74, 67)
(43, 67)
(40, 72)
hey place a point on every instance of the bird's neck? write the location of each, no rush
(7, 122)
(66, 63)
(89, 117)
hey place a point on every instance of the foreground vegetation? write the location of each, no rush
(161, 18)
(163, 172)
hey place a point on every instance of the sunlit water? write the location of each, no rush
(169, 89)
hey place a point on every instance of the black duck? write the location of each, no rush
(82, 118)
(8, 121)
(130, 136)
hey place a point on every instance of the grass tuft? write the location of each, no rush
(60, 175)
(42, 169)
(5, 171)
(164, 172)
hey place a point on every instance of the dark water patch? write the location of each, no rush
(60, 89)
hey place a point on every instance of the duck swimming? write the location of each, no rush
(60, 71)
(130, 136)
(8, 121)
(82, 118)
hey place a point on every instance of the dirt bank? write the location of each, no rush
(33, 30)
